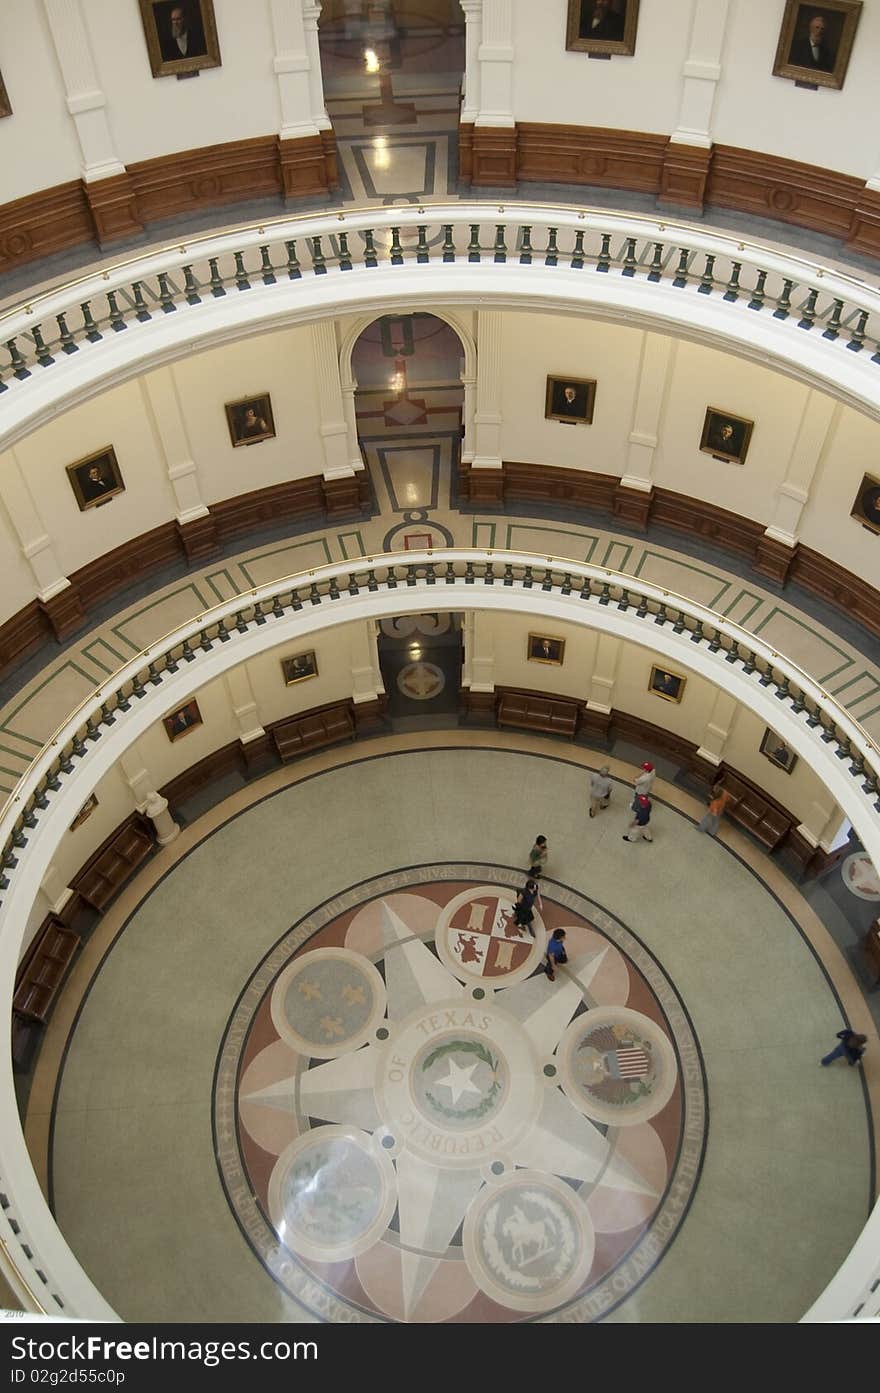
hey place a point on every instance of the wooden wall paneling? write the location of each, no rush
(465, 151)
(303, 167)
(864, 229)
(494, 156)
(114, 208)
(773, 559)
(23, 635)
(855, 597)
(42, 223)
(122, 566)
(198, 537)
(589, 155)
(540, 483)
(64, 612)
(633, 506)
(227, 760)
(785, 190)
(215, 174)
(331, 158)
(684, 175)
(727, 530)
(247, 512)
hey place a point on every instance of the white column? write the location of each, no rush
(473, 23)
(470, 406)
(815, 434)
(718, 728)
(54, 889)
(334, 426)
(822, 822)
(366, 680)
(292, 69)
(601, 696)
(36, 544)
(156, 809)
(85, 100)
(162, 403)
(495, 53)
(479, 650)
(655, 369)
(311, 9)
(700, 75)
(244, 703)
(487, 416)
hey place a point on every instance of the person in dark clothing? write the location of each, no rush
(851, 1047)
(524, 908)
(555, 953)
(641, 817)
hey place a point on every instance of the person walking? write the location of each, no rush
(538, 857)
(851, 1047)
(600, 790)
(718, 802)
(524, 907)
(555, 953)
(645, 781)
(641, 818)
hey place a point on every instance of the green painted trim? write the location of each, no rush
(650, 554)
(811, 629)
(743, 594)
(341, 536)
(592, 537)
(279, 551)
(626, 547)
(224, 571)
(475, 540)
(154, 604)
(38, 744)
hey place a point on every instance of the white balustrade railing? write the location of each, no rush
(92, 739)
(525, 254)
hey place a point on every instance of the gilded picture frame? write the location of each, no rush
(725, 436)
(815, 42)
(5, 107)
(603, 28)
(866, 508)
(299, 667)
(181, 36)
(571, 399)
(778, 751)
(544, 648)
(96, 478)
(667, 685)
(250, 420)
(183, 720)
(85, 812)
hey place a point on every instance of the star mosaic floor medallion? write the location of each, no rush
(412, 1123)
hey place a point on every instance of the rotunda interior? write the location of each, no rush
(432, 430)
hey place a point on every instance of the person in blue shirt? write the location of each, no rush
(642, 816)
(555, 953)
(851, 1047)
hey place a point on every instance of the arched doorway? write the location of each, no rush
(409, 408)
(392, 73)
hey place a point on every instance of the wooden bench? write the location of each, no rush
(756, 812)
(324, 726)
(44, 968)
(545, 714)
(114, 861)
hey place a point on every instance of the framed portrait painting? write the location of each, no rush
(250, 420)
(570, 399)
(866, 508)
(5, 108)
(300, 667)
(774, 748)
(602, 28)
(182, 721)
(725, 436)
(85, 812)
(181, 36)
(544, 649)
(95, 479)
(668, 685)
(815, 42)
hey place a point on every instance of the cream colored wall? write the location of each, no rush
(826, 524)
(18, 579)
(635, 94)
(38, 144)
(280, 364)
(117, 418)
(537, 344)
(758, 111)
(151, 116)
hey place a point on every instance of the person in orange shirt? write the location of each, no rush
(712, 817)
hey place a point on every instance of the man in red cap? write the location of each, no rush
(645, 780)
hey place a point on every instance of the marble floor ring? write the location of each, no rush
(408, 1113)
